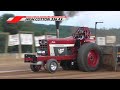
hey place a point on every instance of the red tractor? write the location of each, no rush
(76, 52)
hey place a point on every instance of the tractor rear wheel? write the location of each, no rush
(89, 56)
(35, 68)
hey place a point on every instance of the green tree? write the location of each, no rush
(1, 28)
(26, 26)
(8, 27)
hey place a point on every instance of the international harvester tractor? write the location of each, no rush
(78, 52)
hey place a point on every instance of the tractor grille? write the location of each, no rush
(43, 46)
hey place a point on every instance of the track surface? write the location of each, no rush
(21, 70)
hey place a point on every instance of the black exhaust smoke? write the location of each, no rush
(63, 13)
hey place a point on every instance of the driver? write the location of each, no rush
(80, 35)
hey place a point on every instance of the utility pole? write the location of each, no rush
(96, 30)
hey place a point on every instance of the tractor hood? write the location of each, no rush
(68, 40)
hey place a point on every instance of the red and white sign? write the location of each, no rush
(16, 19)
(110, 39)
(101, 40)
(13, 40)
(26, 39)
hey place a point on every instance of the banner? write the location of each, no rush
(101, 40)
(26, 39)
(13, 40)
(110, 39)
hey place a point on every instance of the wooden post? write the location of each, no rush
(33, 45)
(6, 43)
(20, 47)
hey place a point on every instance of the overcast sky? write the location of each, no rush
(111, 19)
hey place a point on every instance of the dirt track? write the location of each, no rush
(17, 69)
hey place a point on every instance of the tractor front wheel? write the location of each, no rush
(52, 65)
(35, 68)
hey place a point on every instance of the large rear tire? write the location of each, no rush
(89, 56)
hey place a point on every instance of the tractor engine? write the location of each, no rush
(43, 48)
(56, 47)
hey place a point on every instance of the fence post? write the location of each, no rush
(6, 42)
(20, 48)
(33, 45)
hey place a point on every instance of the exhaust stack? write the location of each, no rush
(57, 28)
(57, 33)
(57, 23)
(62, 13)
